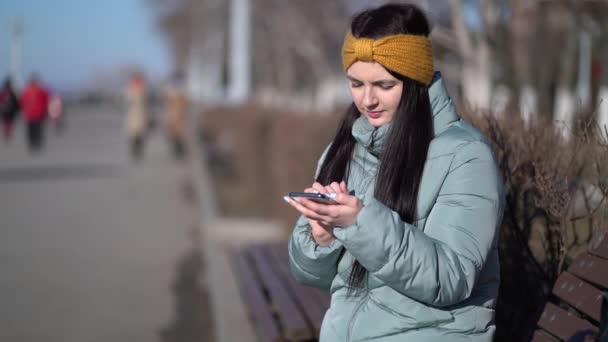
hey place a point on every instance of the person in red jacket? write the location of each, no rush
(34, 105)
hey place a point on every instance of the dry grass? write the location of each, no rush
(550, 213)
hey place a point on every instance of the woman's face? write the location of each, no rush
(375, 92)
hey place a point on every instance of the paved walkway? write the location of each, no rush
(94, 247)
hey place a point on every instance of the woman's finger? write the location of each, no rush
(319, 188)
(343, 187)
(303, 210)
(319, 209)
(336, 187)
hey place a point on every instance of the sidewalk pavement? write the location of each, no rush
(94, 247)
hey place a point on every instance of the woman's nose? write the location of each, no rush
(369, 98)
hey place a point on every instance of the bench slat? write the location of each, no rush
(591, 268)
(294, 324)
(323, 296)
(543, 336)
(599, 244)
(562, 323)
(306, 296)
(259, 311)
(584, 297)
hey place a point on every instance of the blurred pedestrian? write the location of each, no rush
(34, 105)
(56, 111)
(175, 106)
(9, 107)
(137, 120)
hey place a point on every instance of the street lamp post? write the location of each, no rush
(16, 54)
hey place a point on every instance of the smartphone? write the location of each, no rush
(319, 198)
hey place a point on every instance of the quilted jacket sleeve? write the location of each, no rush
(439, 266)
(310, 263)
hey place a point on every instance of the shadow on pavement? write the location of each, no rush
(59, 172)
(192, 319)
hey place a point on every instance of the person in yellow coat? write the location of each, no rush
(175, 106)
(137, 115)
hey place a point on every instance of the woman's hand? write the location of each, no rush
(322, 233)
(342, 214)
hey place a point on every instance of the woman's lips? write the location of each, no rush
(374, 115)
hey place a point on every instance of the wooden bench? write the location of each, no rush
(579, 294)
(279, 308)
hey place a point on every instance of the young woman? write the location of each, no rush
(412, 255)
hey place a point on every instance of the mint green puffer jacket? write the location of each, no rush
(435, 280)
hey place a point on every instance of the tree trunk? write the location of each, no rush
(207, 57)
(583, 86)
(528, 104)
(476, 68)
(565, 107)
(476, 80)
(602, 111)
(564, 111)
(240, 52)
(521, 32)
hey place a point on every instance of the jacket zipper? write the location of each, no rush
(351, 322)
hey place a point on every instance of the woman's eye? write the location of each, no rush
(386, 86)
(355, 85)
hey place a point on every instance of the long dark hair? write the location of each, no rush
(402, 160)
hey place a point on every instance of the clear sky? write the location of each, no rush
(66, 41)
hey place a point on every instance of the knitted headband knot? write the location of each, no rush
(407, 54)
(364, 49)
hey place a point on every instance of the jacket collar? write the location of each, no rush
(444, 114)
(442, 106)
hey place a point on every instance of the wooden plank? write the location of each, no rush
(592, 269)
(295, 326)
(324, 297)
(578, 293)
(543, 336)
(265, 325)
(306, 297)
(561, 323)
(599, 244)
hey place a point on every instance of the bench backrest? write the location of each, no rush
(580, 291)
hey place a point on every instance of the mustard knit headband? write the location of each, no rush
(406, 54)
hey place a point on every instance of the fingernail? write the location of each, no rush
(332, 195)
(315, 191)
(286, 199)
(296, 199)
